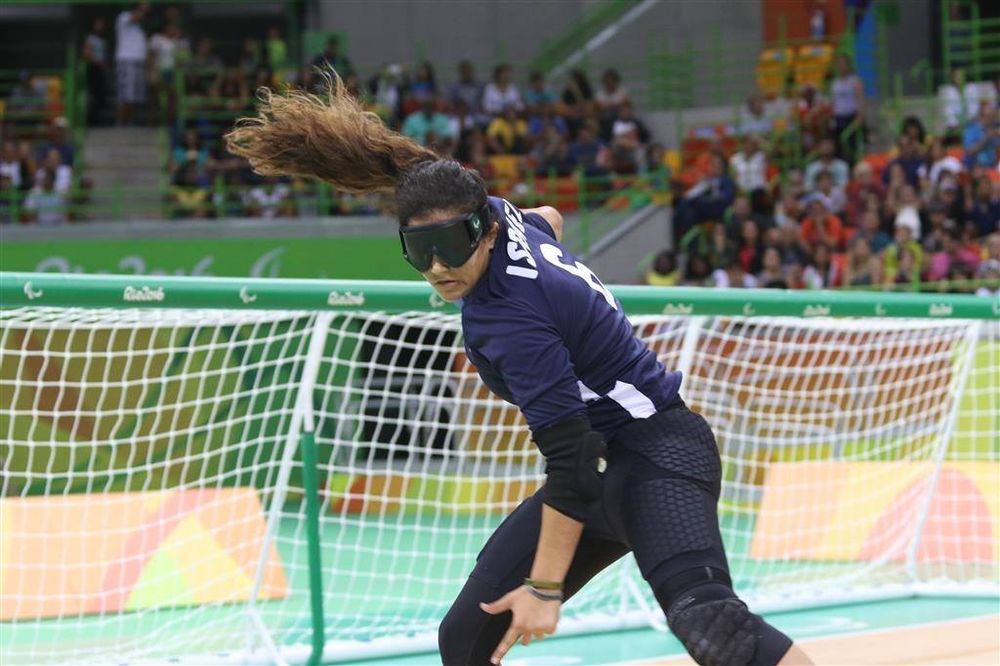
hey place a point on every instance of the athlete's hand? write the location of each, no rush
(533, 619)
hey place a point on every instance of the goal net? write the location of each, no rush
(191, 471)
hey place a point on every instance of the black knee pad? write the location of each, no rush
(717, 629)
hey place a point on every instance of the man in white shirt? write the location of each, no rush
(130, 61)
(749, 166)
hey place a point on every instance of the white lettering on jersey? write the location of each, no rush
(553, 255)
(517, 246)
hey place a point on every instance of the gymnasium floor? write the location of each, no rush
(903, 632)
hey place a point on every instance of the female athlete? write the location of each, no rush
(629, 468)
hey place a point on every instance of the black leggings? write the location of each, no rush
(660, 494)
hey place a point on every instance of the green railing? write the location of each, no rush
(973, 43)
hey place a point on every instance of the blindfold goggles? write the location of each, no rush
(452, 241)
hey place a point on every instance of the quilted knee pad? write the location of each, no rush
(716, 633)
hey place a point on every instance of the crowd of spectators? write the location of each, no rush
(928, 210)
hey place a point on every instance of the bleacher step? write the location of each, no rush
(124, 165)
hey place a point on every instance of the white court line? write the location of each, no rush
(845, 634)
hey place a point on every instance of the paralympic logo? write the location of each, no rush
(31, 293)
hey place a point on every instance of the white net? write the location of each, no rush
(153, 491)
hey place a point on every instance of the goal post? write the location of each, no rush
(287, 470)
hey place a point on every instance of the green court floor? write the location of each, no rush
(626, 646)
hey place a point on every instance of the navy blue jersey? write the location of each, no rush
(547, 336)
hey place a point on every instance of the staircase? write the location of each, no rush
(124, 165)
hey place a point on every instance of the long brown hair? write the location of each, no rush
(332, 138)
(329, 137)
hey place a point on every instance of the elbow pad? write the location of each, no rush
(575, 460)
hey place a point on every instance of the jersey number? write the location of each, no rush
(553, 255)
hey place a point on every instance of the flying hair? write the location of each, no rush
(327, 137)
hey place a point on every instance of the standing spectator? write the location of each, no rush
(467, 89)
(332, 58)
(276, 49)
(612, 94)
(44, 204)
(538, 93)
(164, 52)
(848, 93)
(501, 92)
(959, 102)
(95, 55)
(753, 119)
(130, 61)
(749, 166)
(981, 138)
(827, 161)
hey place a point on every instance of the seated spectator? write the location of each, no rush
(229, 196)
(271, 198)
(749, 165)
(507, 133)
(753, 119)
(578, 90)
(950, 256)
(908, 211)
(538, 92)
(192, 151)
(664, 272)
(870, 228)
(14, 167)
(707, 200)
(939, 227)
(910, 159)
(833, 197)
(733, 275)
(467, 90)
(863, 186)
(822, 227)
(861, 267)
(981, 138)
(44, 205)
(62, 174)
(424, 84)
(332, 58)
(231, 90)
(428, 119)
(827, 161)
(812, 113)
(940, 163)
(903, 257)
(790, 211)
(983, 206)
(697, 272)
(628, 139)
(721, 249)
(750, 251)
(543, 116)
(822, 271)
(612, 94)
(588, 153)
(913, 128)
(8, 200)
(59, 139)
(473, 151)
(203, 69)
(772, 273)
(187, 195)
(551, 153)
(501, 92)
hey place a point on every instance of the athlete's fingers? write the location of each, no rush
(502, 604)
(505, 644)
(526, 639)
